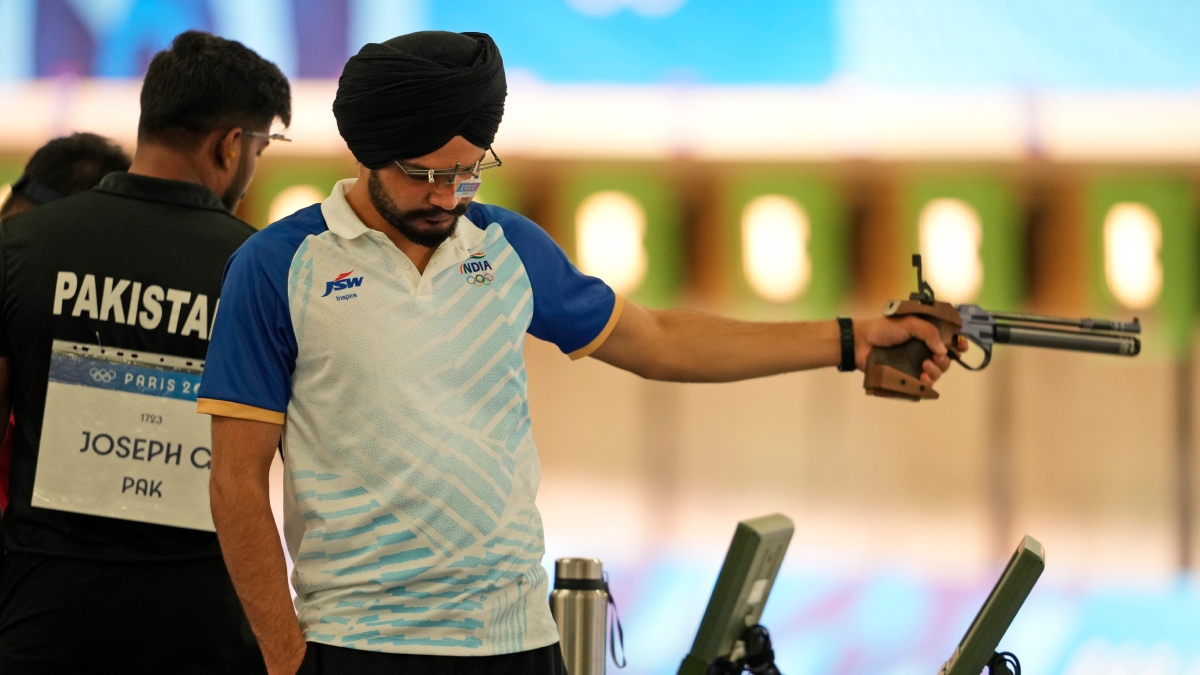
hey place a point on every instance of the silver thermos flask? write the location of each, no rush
(579, 603)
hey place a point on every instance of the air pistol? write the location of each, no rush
(895, 372)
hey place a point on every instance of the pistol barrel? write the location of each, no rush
(1069, 340)
(1086, 324)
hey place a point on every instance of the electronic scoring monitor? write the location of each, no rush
(998, 611)
(741, 592)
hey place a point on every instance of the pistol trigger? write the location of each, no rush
(985, 348)
(959, 339)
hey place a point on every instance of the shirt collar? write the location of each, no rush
(152, 189)
(339, 217)
(343, 222)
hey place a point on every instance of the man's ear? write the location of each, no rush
(228, 147)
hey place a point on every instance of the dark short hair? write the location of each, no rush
(67, 166)
(203, 83)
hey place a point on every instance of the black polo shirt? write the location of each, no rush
(150, 232)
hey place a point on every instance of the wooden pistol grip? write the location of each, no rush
(895, 372)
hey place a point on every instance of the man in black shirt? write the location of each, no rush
(106, 303)
(62, 167)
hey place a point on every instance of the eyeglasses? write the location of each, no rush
(269, 137)
(450, 176)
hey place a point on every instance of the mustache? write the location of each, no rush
(436, 212)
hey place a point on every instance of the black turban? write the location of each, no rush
(409, 96)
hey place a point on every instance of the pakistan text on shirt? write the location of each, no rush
(111, 303)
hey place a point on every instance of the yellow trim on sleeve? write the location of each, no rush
(618, 305)
(211, 406)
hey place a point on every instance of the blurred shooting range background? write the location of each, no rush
(781, 159)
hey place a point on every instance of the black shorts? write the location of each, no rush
(61, 615)
(327, 660)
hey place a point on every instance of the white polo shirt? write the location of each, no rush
(411, 466)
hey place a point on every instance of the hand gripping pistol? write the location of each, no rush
(895, 372)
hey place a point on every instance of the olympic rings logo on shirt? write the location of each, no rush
(102, 374)
(484, 279)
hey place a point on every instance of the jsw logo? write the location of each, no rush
(342, 282)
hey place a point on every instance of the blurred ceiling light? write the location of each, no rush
(775, 248)
(292, 199)
(950, 234)
(610, 227)
(1132, 241)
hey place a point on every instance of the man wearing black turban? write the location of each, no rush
(379, 336)
(433, 98)
(411, 95)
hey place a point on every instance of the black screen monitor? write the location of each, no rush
(741, 592)
(998, 611)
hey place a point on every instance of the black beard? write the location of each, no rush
(237, 188)
(405, 222)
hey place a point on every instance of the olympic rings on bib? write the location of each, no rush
(484, 279)
(102, 374)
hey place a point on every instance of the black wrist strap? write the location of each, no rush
(846, 328)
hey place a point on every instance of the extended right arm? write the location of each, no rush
(241, 510)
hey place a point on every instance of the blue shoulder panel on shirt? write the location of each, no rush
(570, 308)
(252, 351)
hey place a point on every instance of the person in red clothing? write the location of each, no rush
(65, 166)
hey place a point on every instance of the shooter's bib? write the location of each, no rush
(121, 437)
